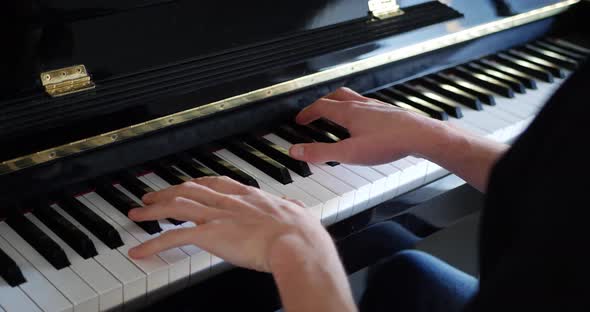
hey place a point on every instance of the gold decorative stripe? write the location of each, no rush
(282, 88)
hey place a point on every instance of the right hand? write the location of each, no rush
(380, 132)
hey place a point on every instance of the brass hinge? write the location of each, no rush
(382, 9)
(66, 80)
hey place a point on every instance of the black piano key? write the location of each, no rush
(450, 108)
(482, 81)
(433, 111)
(550, 56)
(186, 163)
(9, 271)
(384, 98)
(527, 80)
(316, 134)
(42, 243)
(554, 69)
(168, 173)
(261, 161)
(224, 168)
(130, 182)
(279, 154)
(515, 84)
(296, 137)
(91, 221)
(450, 92)
(553, 48)
(319, 136)
(523, 66)
(485, 96)
(567, 46)
(331, 127)
(123, 203)
(68, 232)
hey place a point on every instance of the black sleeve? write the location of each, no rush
(534, 235)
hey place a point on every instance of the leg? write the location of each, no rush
(413, 281)
(374, 243)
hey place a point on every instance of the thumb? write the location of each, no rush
(342, 151)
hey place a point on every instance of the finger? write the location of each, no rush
(191, 190)
(345, 94)
(170, 239)
(223, 184)
(341, 151)
(295, 201)
(336, 111)
(179, 208)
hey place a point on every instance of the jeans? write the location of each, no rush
(402, 279)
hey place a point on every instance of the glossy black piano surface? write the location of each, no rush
(143, 56)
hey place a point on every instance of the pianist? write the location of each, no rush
(532, 235)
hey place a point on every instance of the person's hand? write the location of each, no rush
(240, 224)
(380, 132)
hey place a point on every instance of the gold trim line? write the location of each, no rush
(281, 88)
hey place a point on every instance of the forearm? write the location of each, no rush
(311, 280)
(469, 156)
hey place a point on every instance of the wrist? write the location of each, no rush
(439, 140)
(293, 250)
(310, 277)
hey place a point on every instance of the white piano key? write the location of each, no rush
(133, 280)
(376, 179)
(200, 260)
(155, 269)
(435, 172)
(82, 297)
(491, 125)
(110, 291)
(14, 298)
(393, 175)
(421, 164)
(465, 124)
(288, 190)
(361, 185)
(345, 191)
(411, 176)
(178, 260)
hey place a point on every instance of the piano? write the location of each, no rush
(103, 101)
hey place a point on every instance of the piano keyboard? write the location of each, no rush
(70, 253)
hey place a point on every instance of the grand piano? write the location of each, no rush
(103, 101)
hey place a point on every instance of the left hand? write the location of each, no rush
(240, 224)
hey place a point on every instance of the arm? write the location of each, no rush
(382, 133)
(469, 156)
(310, 281)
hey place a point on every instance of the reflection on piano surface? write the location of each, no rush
(65, 235)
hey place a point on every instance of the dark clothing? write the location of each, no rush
(533, 235)
(415, 281)
(533, 238)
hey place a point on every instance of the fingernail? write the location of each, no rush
(133, 253)
(297, 151)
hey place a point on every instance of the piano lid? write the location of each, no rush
(114, 38)
(128, 50)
